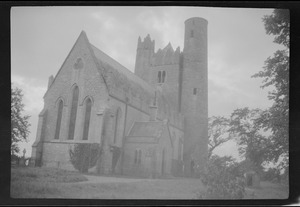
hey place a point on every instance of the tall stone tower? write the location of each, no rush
(144, 53)
(194, 97)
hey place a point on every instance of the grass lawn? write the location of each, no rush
(30, 182)
(27, 182)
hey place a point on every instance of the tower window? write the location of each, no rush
(192, 33)
(195, 91)
(161, 76)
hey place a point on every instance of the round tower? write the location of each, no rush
(194, 98)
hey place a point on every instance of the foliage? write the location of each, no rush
(278, 24)
(276, 73)
(217, 132)
(85, 156)
(253, 145)
(272, 174)
(15, 158)
(19, 122)
(223, 179)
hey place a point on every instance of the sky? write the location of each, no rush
(42, 37)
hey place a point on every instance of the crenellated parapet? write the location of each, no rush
(147, 44)
(166, 56)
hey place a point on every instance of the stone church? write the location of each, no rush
(149, 123)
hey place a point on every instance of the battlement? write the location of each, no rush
(166, 56)
(146, 44)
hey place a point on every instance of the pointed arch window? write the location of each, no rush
(58, 121)
(87, 117)
(73, 113)
(117, 124)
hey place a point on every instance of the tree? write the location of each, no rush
(276, 73)
(253, 144)
(19, 122)
(217, 132)
(85, 156)
(222, 179)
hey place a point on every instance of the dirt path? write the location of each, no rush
(268, 190)
(100, 187)
(102, 179)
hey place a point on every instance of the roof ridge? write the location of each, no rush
(122, 69)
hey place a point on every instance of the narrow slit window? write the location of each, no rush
(192, 33)
(195, 91)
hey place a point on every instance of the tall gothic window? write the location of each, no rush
(73, 114)
(86, 126)
(117, 123)
(58, 121)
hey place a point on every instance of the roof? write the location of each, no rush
(147, 129)
(117, 67)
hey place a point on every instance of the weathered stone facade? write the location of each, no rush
(160, 96)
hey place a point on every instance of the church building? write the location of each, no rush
(150, 123)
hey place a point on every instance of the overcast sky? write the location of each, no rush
(42, 37)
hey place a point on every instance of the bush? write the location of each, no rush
(222, 179)
(85, 156)
(272, 174)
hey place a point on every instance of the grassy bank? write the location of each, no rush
(27, 182)
(55, 183)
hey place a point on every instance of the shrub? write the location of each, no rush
(272, 174)
(222, 179)
(84, 156)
